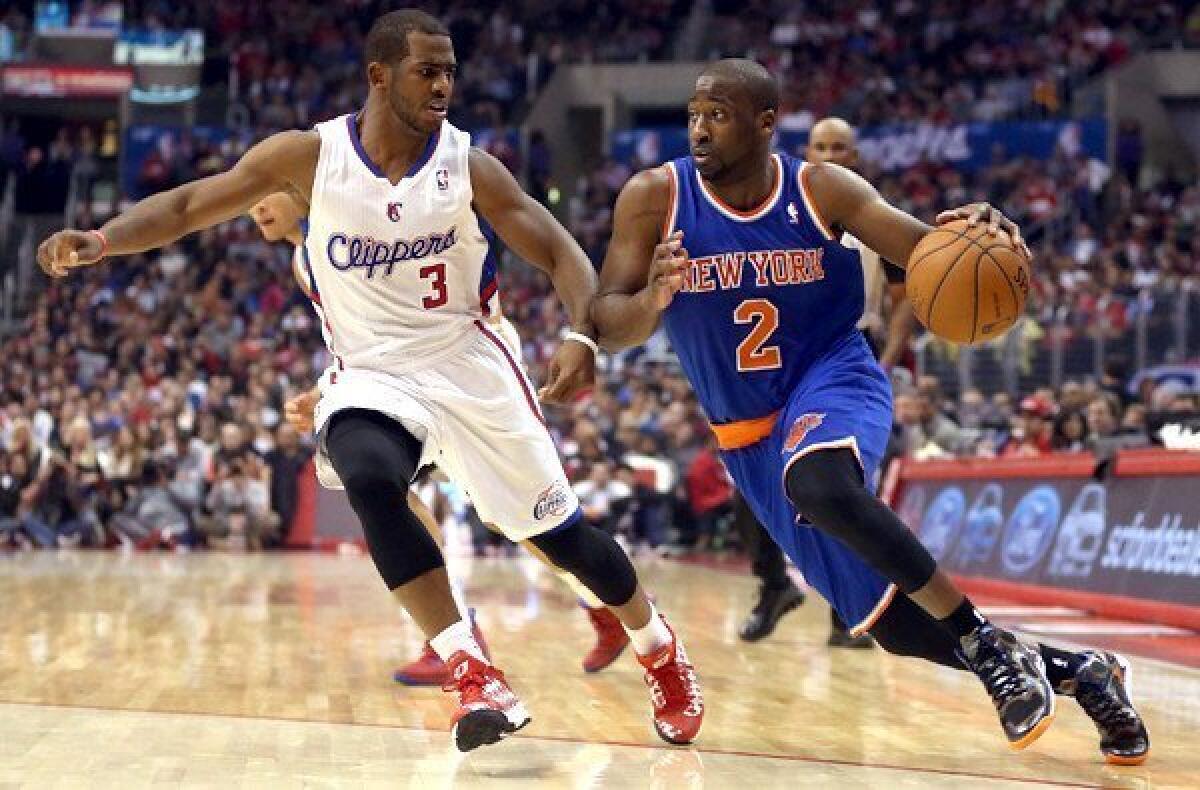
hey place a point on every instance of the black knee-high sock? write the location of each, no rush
(906, 629)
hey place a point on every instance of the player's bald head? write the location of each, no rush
(743, 78)
(832, 140)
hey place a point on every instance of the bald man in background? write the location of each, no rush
(831, 140)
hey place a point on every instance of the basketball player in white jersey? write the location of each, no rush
(397, 258)
(832, 140)
(280, 217)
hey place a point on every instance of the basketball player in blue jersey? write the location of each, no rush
(280, 217)
(735, 250)
(832, 140)
(397, 199)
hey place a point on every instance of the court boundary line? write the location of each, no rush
(567, 739)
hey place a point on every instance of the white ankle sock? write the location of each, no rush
(586, 596)
(651, 636)
(455, 638)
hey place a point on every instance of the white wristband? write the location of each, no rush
(579, 337)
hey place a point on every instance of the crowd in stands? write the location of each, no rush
(947, 60)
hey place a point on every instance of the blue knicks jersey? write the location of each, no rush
(766, 293)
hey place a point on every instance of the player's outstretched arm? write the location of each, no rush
(534, 234)
(642, 271)
(285, 161)
(845, 199)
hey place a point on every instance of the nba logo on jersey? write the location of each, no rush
(443, 179)
(800, 429)
(393, 211)
(793, 214)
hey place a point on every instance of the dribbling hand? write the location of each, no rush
(666, 270)
(976, 213)
(69, 249)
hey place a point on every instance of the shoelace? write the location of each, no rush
(683, 680)
(1106, 709)
(998, 675)
(473, 685)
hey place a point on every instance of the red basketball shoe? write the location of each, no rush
(428, 669)
(611, 639)
(675, 691)
(488, 710)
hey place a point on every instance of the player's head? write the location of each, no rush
(410, 63)
(277, 215)
(731, 117)
(832, 140)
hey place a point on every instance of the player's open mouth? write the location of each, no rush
(701, 154)
(438, 108)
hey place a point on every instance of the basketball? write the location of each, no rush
(965, 285)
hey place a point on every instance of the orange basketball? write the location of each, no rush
(965, 285)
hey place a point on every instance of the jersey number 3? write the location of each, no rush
(436, 274)
(751, 353)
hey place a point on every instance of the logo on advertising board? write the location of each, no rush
(1030, 530)
(912, 508)
(1081, 536)
(985, 520)
(942, 521)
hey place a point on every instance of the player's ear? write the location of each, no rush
(766, 122)
(376, 75)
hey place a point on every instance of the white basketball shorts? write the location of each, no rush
(478, 419)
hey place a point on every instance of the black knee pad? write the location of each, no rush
(827, 488)
(906, 629)
(593, 557)
(376, 458)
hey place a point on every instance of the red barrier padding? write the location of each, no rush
(1156, 462)
(1057, 465)
(1118, 607)
(304, 523)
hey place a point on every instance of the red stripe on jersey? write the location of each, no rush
(516, 371)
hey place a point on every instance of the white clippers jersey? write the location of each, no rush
(401, 273)
(874, 283)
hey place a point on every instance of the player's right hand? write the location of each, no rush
(666, 270)
(69, 249)
(298, 410)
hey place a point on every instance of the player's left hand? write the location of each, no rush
(976, 213)
(572, 371)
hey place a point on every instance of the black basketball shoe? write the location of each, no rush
(1101, 687)
(1015, 678)
(772, 605)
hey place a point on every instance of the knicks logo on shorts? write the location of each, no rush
(551, 502)
(800, 429)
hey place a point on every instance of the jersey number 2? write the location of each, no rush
(751, 353)
(436, 274)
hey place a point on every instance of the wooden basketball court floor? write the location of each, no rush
(275, 670)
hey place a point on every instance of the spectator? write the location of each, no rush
(155, 516)
(1070, 432)
(1032, 429)
(1102, 419)
(710, 495)
(285, 463)
(603, 498)
(240, 507)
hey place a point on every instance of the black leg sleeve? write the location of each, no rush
(827, 488)
(376, 459)
(593, 557)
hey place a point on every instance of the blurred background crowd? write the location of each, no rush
(141, 401)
